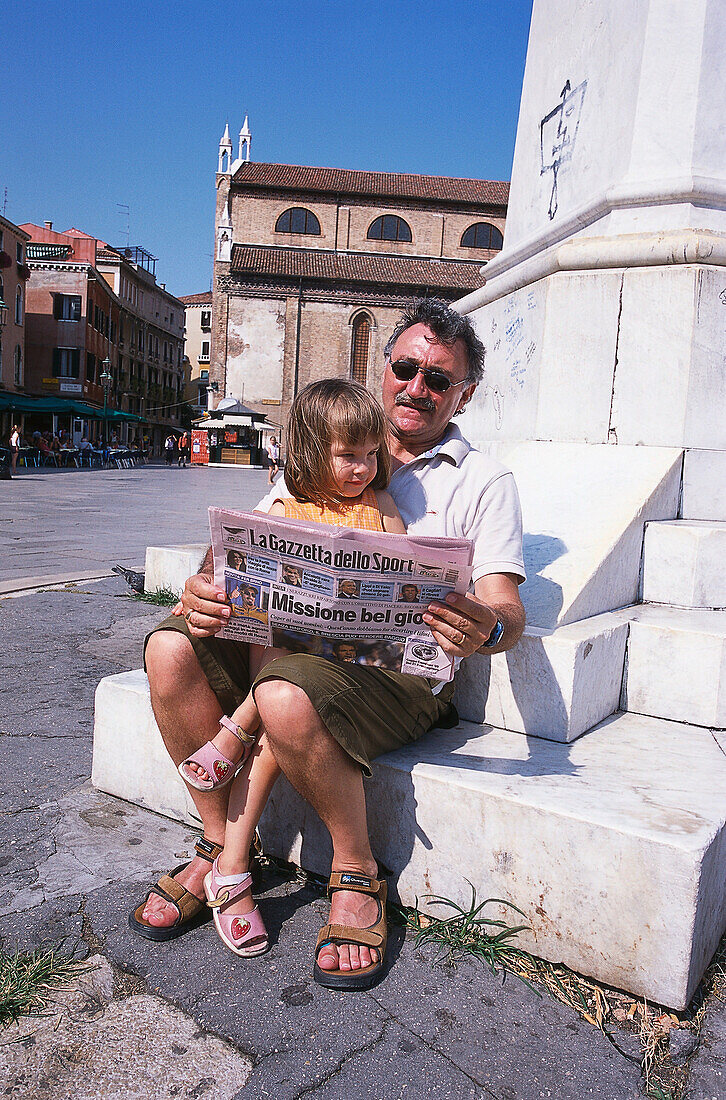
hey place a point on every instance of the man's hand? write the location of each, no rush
(463, 623)
(204, 606)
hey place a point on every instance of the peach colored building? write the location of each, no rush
(91, 306)
(13, 287)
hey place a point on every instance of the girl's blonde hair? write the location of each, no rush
(323, 413)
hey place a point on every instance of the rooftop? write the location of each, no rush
(292, 263)
(203, 299)
(345, 181)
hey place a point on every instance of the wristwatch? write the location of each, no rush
(495, 637)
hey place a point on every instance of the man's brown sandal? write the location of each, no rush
(375, 936)
(192, 911)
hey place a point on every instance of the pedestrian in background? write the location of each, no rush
(183, 450)
(14, 446)
(169, 448)
(273, 456)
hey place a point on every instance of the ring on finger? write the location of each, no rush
(188, 615)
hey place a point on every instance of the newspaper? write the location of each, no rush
(336, 592)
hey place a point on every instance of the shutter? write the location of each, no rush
(76, 363)
(57, 306)
(56, 362)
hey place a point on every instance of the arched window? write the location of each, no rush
(389, 227)
(18, 306)
(2, 296)
(18, 366)
(360, 347)
(482, 235)
(298, 220)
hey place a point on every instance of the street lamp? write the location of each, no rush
(3, 322)
(106, 379)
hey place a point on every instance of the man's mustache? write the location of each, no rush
(423, 404)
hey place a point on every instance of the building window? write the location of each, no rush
(204, 354)
(18, 365)
(66, 362)
(389, 227)
(298, 220)
(67, 307)
(19, 252)
(18, 306)
(2, 286)
(206, 321)
(90, 367)
(482, 235)
(359, 351)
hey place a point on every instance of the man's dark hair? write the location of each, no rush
(448, 326)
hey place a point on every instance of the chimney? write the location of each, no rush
(49, 225)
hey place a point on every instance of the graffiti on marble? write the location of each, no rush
(558, 132)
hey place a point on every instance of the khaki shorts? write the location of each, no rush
(367, 710)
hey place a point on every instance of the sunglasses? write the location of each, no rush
(436, 380)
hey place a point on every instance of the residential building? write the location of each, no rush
(197, 347)
(312, 266)
(96, 314)
(14, 275)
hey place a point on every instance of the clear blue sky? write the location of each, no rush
(112, 102)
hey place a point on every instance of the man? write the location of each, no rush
(441, 486)
(348, 590)
(243, 599)
(345, 651)
(408, 593)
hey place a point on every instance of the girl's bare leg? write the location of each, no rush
(245, 715)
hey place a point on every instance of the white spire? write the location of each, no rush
(245, 140)
(225, 152)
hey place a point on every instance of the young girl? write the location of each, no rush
(337, 469)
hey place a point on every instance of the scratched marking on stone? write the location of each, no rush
(531, 300)
(558, 131)
(722, 297)
(531, 349)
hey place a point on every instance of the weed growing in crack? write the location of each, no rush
(467, 931)
(162, 596)
(26, 979)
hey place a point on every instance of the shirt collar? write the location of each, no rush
(451, 446)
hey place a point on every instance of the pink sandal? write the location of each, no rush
(218, 767)
(235, 930)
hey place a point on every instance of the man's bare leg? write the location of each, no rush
(187, 713)
(333, 785)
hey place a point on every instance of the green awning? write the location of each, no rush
(19, 402)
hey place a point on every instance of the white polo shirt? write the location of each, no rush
(455, 491)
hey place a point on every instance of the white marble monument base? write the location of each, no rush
(676, 665)
(129, 758)
(683, 563)
(171, 566)
(613, 846)
(554, 684)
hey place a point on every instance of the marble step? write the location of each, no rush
(683, 563)
(613, 846)
(554, 683)
(676, 664)
(170, 566)
(704, 485)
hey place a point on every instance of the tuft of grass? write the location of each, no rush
(27, 979)
(162, 596)
(467, 931)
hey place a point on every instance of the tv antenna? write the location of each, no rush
(125, 213)
(5, 201)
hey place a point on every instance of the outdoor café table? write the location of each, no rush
(69, 455)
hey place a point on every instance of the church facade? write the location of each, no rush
(312, 267)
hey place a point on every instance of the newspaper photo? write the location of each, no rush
(336, 592)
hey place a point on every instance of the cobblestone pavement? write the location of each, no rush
(75, 861)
